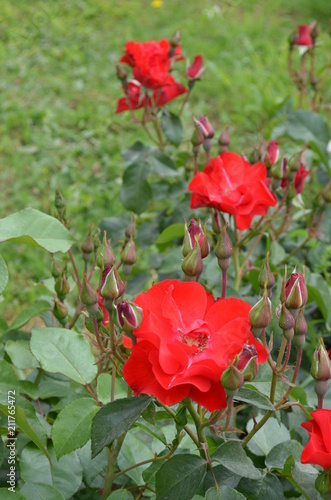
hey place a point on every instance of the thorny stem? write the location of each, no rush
(92, 394)
(287, 357)
(75, 268)
(112, 459)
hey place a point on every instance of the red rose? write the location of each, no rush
(136, 97)
(231, 184)
(185, 342)
(299, 181)
(318, 449)
(150, 62)
(304, 36)
(195, 71)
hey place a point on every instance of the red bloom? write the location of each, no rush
(137, 98)
(304, 36)
(185, 342)
(318, 449)
(150, 62)
(272, 154)
(195, 71)
(299, 181)
(231, 184)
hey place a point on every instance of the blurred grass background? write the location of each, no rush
(58, 93)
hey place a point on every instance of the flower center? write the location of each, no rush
(197, 335)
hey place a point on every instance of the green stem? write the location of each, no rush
(277, 366)
(197, 421)
(237, 276)
(256, 428)
(224, 281)
(112, 459)
(186, 428)
(75, 269)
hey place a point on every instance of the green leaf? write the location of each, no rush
(170, 233)
(5, 494)
(39, 491)
(231, 455)
(305, 476)
(277, 253)
(136, 193)
(8, 381)
(3, 275)
(180, 477)
(120, 495)
(59, 350)
(35, 309)
(115, 418)
(255, 398)
(72, 427)
(153, 431)
(162, 165)
(93, 469)
(104, 387)
(26, 420)
(262, 382)
(64, 474)
(267, 437)
(172, 127)
(269, 487)
(278, 455)
(37, 229)
(223, 493)
(137, 153)
(2, 452)
(319, 291)
(20, 354)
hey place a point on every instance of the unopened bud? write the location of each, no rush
(121, 73)
(260, 316)
(59, 204)
(60, 310)
(197, 139)
(127, 315)
(105, 255)
(96, 239)
(232, 379)
(56, 269)
(192, 265)
(129, 253)
(300, 325)
(88, 246)
(296, 291)
(286, 320)
(321, 367)
(247, 362)
(191, 232)
(195, 71)
(323, 484)
(89, 296)
(111, 287)
(62, 286)
(205, 127)
(218, 222)
(266, 278)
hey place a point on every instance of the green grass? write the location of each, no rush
(58, 93)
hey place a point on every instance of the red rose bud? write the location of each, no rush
(205, 126)
(232, 379)
(88, 246)
(223, 249)
(111, 287)
(304, 38)
(266, 278)
(62, 286)
(195, 71)
(60, 310)
(247, 362)
(192, 265)
(296, 291)
(127, 315)
(299, 180)
(323, 483)
(56, 269)
(105, 255)
(260, 315)
(205, 247)
(192, 231)
(272, 154)
(131, 229)
(321, 366)
(224, 140)
(89, 296)
(129, 254)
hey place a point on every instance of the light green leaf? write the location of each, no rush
(115, 418)
(37, 229)
(72, 427)
(172, 127)
(305, 476)
(35, 309)
(170, 233)
(223, 493)
(59, 350)
(8, 381)
(39, 491)
(231, 455)
(93, 468)
(5, 494)
(267, 437)
(3, 275)
(278, 455)
(120, 495)
(136, 193)
(180, 477)
(162, 165)
(20, 354)
(255, 398)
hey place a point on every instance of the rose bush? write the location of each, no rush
(232, 185)
(318, 449)
(185, 342)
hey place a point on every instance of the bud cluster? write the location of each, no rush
(195, 248)
(243, 369)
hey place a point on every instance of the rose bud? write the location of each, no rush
(321, 366)
(121, 73)
(127, 315)
(191, 231)
(224, 140)
(111, 287)
(299, 180)
(62, 286)
(218, 222)
(96, 239)
(89, 297)
(56, 269)
(296, 291)
(128, 253)
(192, 265)
(88, 246)
(223, 249)
(260, 315)
(205, 126)
(197, 139)
(323, 482)
(286, 322)
(247, 362)
(279, 171)
(60, 204)
(304, 37)
(232, 379)
(105, 255)
(266, 278)
(60, 310)
(272, 154)
(300, 324)
(195, 71)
